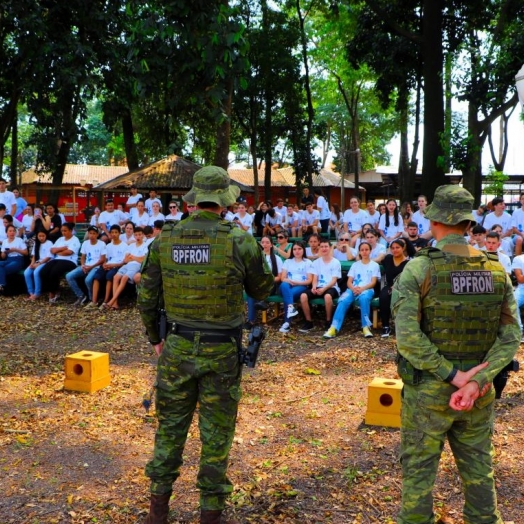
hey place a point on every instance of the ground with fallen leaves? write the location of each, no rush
(302, 453)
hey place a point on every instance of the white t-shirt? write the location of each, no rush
(518, 263)
(149, 205)
(45, 250)
(73, 244)
(517, 220)
(393, 230)
(310, 218)
(355, 221)
(141, 221)
(8, 198)
(292, 220)
(27, 222)
(323, 208)
(111, 218)
(340, 255)
(127, 241)
(363, 273)
(177, 216)
(133, 199)
(17, 243)
(326, 271)
(298, 271)
(138, 251)
(280, 264)
(246, 221)
(373, 219)
(92, 252)
(423, 223)
(274, 221)
(503, 220)
(116, 253)
(152, 219)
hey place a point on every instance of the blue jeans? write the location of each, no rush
(9, 266)
(77, 273)
(290, 294)
(519, 297)
(345, 302)
(33, 281)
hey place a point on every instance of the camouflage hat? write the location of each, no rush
(451, 204)
(212, 184)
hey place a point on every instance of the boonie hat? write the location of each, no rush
(212, 184)
(451, 204)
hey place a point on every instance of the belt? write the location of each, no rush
(205, 336)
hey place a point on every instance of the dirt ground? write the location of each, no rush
(302, 453)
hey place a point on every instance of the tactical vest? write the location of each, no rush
(461, 312)
(200, 280)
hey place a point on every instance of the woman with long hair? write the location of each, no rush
(283, 247)
(52, 222)
(12, 255)
(275, 263)
(406, 213)
(393, 264)
(362, 278)
(336, 225)
(297, 275)
(65, 250)
(41, 254)
(378, 250)
(390, 225)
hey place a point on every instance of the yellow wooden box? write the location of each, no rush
(87, 371)
(384, 402)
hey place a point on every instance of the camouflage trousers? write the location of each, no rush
(427, 420)
(188, 373)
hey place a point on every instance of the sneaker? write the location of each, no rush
(80, 301)
(330, 333)
(91, 305)
(286, 328)
(308, 326)
(248, 326)
(327, 325)
(54, 300)
(291, 311)
(386, 331)
(367, 332)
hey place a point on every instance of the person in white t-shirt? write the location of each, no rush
(108, 218)
(518, 270)
(156, 215)
(92, 255)
(324, 211)
(242, 219)
(115, 255)
(517, 221)
(493, 245)
(326, 272)
(500, 217)
(310, 220)
(133, 198)
(362, 278)
(391, 225)
(174, 211)
(291, 222)
(373, 214)
(273, 223)
(297, 276)
(12, 255)
(140, 217)
(354, 218)
(419, 217)
(41, 254)
(7, 198)
(132, 261)
(149, 202)
(65, 250)
(123, 212)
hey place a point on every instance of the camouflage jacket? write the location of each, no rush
(418, 349)
(258, 279)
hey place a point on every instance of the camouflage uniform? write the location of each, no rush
(199, 360)
(441, 328)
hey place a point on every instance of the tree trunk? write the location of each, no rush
(224, 131)
(406, 183)
(432, 166)
(129, 140)
(14, 152)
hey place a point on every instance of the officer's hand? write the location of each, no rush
(464, 398)
(158, 348)
(463, 377)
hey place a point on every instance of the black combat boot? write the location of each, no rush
(158, 509)
(214, 516)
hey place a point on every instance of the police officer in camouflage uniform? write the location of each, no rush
(456, 322)
(197, 269)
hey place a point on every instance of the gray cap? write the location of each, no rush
(451, 204)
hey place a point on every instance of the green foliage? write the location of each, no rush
(495, 182)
